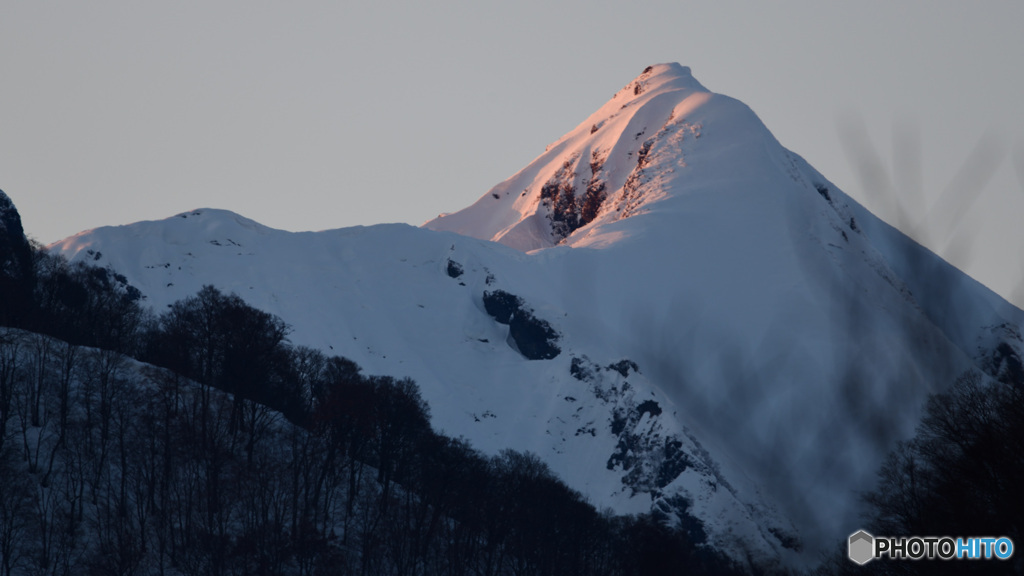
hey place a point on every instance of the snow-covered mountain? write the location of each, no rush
(669, 307)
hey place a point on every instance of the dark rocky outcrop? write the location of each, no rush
(533, 337)
(16, 267)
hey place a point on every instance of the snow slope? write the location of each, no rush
(778, 337)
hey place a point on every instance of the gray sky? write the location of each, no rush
(316, 115)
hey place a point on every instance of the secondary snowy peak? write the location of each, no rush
(209, 224)
(619, 162)
(172, 251)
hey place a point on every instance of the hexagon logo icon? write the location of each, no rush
(861, 547)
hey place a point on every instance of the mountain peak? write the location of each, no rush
(657, 76)
(616, 164)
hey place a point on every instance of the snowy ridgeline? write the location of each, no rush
(410, 302)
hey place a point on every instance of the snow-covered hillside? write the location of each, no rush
(667, 306)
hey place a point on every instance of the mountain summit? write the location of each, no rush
(679, 314)
(619, 162)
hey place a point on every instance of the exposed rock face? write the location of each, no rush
(16, 272)
(15, 253)
(533, 337)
